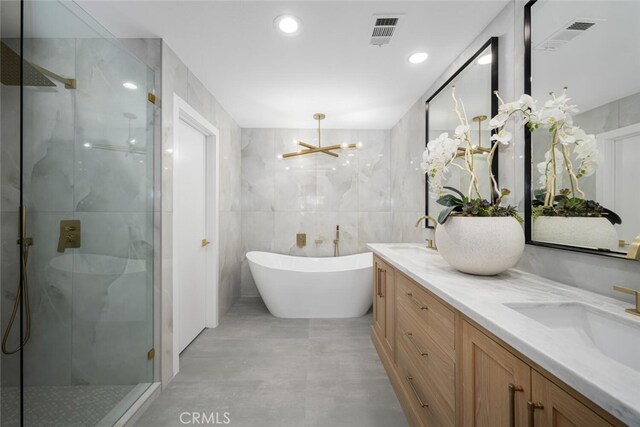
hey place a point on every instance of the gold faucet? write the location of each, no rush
(431, 243)
(636, 310)
(634, 249)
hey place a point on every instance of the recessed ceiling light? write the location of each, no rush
(288, 25)
(87, 145)
(418, 57)
(485, 59)
(130, 85)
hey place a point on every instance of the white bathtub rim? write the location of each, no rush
(302, 264)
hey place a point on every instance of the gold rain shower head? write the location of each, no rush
(310, 149)
(33, 74)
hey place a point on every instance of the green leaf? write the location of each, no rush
(449, 200)
(444, 214)
(455, 190)
(539, 195)
(613, 217)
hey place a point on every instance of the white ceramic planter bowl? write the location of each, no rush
(575, 231)
(480, 245)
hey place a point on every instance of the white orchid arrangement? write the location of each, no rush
(567, 140)
(459, 151)
(569, 144)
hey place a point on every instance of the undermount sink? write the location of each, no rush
(616, 337)
(409, 250)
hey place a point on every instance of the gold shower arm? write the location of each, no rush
(68, 83)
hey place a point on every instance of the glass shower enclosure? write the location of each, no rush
(77, 220)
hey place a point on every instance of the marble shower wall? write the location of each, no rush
(178, 79)
(92, 317)
(313, 194)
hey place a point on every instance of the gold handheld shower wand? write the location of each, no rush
(25, 243)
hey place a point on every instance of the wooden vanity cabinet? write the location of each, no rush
(383, 304)
(448, 371)
(495, 383)
(554, 407)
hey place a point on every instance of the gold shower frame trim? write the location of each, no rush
(311, 149)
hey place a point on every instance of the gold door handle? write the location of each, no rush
(415, 392)
(205, 242)
(531, 408)
(409, 336)
(415, 302)
(512, 403)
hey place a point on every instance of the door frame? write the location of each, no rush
(183, 111)
(605, 179)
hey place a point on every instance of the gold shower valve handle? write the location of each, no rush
(205, 242)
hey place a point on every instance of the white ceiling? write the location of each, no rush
(264, 79)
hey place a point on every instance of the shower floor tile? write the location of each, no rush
(264, 371)
(62, 406)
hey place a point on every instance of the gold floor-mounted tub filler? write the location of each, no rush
(311, 149)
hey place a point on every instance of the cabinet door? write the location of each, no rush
(495, 383)
(552, 406)
(379, 309)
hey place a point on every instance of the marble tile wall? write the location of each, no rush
(92, 313)
(595, 273)
(313, 194)
(178, 79)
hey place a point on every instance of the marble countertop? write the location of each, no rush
(611, 385)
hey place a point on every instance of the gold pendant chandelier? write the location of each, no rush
(476, 149)
(311, 149)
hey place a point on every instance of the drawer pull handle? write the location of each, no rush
(512, 403)
(378, 279)
(410, 337)
(416, 302)
(531, 408)
(415, 392)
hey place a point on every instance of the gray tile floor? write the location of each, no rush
(266, 371)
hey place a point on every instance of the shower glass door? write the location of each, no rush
(87, 182)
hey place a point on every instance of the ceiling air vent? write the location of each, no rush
(568, 32)
(384, 28)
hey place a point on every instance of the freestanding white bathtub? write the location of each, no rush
(301, 287)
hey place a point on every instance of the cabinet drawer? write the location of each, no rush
(432, 362)
(435, 317)
(428, 406)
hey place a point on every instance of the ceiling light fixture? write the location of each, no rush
(485, 59)
(130, 85)
(288, 25)
(310, 149)
(418, 57)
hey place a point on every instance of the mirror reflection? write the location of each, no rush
(474, 85)
(590, 198)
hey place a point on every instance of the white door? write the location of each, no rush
(189, 232)
(620, 150)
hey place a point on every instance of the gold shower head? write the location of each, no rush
(33, 74)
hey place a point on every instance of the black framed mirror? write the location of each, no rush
(593, 50)
(476, 81)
